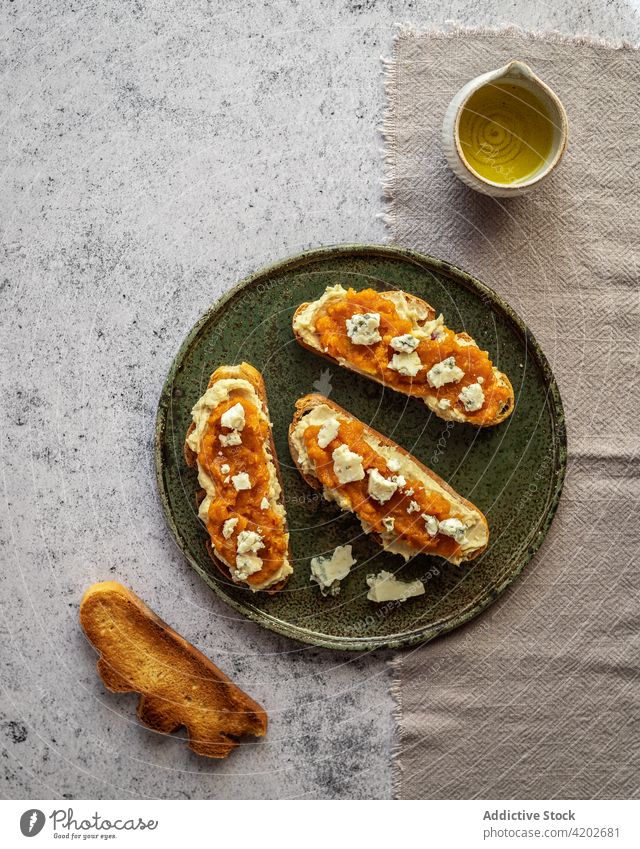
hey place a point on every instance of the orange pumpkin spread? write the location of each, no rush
(408, 527)
(374, 359)
(249, 457)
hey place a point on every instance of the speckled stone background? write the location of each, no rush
(152, 155)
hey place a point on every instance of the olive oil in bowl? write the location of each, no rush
(505, 132)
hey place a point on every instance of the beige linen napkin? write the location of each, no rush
(540, 696)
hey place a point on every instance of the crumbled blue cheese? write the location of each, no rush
(430, 523)
(413, 507)
(233, 418)
(381, 488)
(472, 397)
(362, 328)
(249, 542)
(246, 564)
(327, 572)
(241, 481)
(444, 404)
(444, 372)
(347, 465)
(405, 344)
(225, 468)
(393, 465)
(229, 527)
(389, 523)
(264, 504)
(386, 587)
(407, 364)
(452, 528)
(227, 439)
(328, 432)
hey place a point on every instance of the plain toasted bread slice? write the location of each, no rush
(479, 537)
(424, 313)
(178, 685)
(247, 372)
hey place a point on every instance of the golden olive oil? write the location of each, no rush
(505, 132)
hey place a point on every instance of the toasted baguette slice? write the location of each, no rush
(260, 562)
(398, 499)
(177, 684)
(480, 399)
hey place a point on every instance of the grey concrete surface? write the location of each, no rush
(153, 154)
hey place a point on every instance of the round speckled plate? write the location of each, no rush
(513, 472)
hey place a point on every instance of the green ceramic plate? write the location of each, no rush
(513, 472)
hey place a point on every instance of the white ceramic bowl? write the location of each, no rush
(522, 75)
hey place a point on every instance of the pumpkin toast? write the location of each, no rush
(405, 506)
(240, 502)
(397, 339)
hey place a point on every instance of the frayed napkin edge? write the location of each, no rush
(453, 29)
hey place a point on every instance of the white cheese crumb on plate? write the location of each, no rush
(386, 587)
(327, 572)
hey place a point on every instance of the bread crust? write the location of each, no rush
(431, 314)
(178, 685)
(308, 402)
(244, 371)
